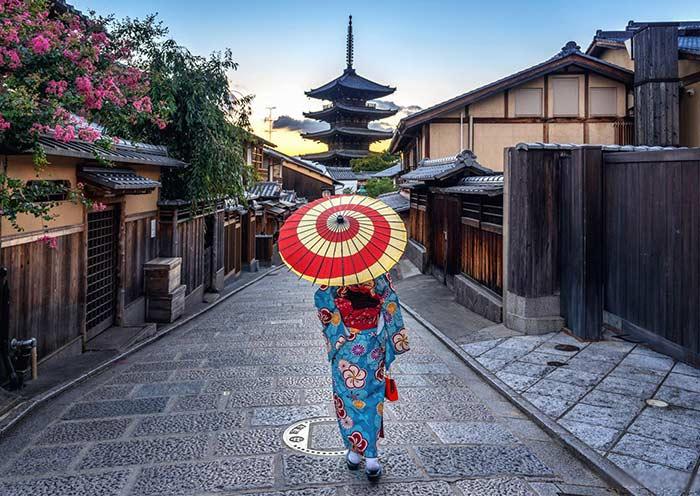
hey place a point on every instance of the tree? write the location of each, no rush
(207, 122)
(374, 162)
(379, 186)
(61, 74)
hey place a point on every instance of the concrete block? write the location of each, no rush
(478, 299)
(417, 254)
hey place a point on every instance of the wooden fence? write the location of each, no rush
(615, 236)
(482, 240)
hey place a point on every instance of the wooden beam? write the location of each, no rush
(505, 103)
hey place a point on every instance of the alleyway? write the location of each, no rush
(203, 411)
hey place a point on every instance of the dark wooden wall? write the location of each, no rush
(533, 255)
(581, 242)
(139, 249)
(305, 186)
(656, 86)
(47, 294)
(482, 240)
(191, 249)
(417, 225)
(445, 233)
(652, 247)
(233, 245)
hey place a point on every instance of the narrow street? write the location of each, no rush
(203, 411)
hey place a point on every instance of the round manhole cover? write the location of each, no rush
(300, 436)
(567, 347)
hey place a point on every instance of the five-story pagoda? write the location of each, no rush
(348, 114)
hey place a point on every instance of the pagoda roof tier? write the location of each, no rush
(350, 85)
(330, 112)
(362, 132)
(336, 154)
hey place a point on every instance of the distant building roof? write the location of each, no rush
(570, 56)
(342, 173)
(350, 83)
(327, 155)
(267, 189)
(688, 37)
(124, 181)
(442, 168)
(362, 132)
(392, 171)
(131, 153)
(396, 201)
(306, 164)
(340, 108)
(479, 185)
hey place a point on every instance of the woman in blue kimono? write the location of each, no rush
(364, 332)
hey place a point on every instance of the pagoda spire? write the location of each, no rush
(350, 47)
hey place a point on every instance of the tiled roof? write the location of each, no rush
(336, 153)
(118, 180)
(392, 171)
(342, 108)
(265, 190)
(342, 173)
(442, 168)
(488, 185)
(349, 131)
(353, 82)
(136, 153)
(396, 201)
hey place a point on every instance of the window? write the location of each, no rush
(565, 96)
(603, 101)
(528, 102)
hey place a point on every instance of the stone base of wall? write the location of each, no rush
(477, 298)
(417, 254)
(533, 315)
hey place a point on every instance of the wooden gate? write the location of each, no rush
(445, 217)
(233, 231)
(101, 269)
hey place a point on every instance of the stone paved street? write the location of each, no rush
(598, 390)
(202, 411)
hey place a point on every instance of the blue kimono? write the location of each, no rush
(360, 349)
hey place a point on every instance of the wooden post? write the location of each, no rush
(656, 85)
(532, 299)
(581, 241)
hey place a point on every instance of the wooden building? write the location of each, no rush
(294, 174)
(455, 229)
(570, 98)
(93, 279)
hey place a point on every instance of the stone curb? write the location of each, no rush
(20, 411)
(610, 472)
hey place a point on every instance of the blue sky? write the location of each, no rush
(430, 51)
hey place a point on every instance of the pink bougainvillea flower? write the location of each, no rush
(143, 105)
(4, 125)
(40, 44)
(64, 133)
(99, 207)
(49, 241)
(89, 134)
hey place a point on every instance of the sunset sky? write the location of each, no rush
(430, 51)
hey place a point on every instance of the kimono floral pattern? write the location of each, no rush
(360, 358)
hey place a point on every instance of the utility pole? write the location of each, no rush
(269, 121)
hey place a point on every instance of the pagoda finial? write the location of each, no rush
(351, 47)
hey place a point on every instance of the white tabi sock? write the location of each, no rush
(354, 457)
(372, 464)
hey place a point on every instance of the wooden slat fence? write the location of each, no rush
(482, 240)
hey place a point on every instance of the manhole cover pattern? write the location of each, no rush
(298, 437)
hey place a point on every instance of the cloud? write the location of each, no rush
(291, 124)
(403, 110)
(380, 126)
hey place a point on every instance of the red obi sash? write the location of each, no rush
(359, 306)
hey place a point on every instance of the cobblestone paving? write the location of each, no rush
(202, 412)
(598, 393)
